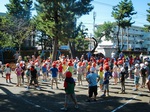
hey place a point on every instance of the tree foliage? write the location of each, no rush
(19, 27)
(148, 18)
(123, 13)
(58, 18)
(105, 29)
(6, 40)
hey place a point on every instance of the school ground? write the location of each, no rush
(18, 99)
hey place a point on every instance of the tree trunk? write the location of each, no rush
(72, 49)
(118, 46)
(55, 48)
(95, 45)
(20, 49)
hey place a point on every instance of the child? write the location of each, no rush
(18, 72)
(54, 71)
(44, 72)
(143, 75)
(115, 73)
(60, 70)
(136, 77)
(38, 69)
(100, 73)
(69, 85)
(28, 74)
(106, 76)
(70, 67)
(34, 77)
(88, 68)
(8, 73)
(22, 65)
(79, 73)
(122, 80)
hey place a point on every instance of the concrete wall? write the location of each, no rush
(107, 51)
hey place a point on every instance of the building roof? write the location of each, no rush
(2, 14)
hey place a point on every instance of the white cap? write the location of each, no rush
(146, 63)
(28, 67)
(142, 65)
(36, 64)
(122, 69)
(0, 63)
(17, 64)
(136, 65)
(92, 69)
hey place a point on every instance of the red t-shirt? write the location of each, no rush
(60, 68)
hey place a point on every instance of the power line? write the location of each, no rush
(101, 3)
(110, 5)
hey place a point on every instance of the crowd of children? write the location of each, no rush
(97, 72)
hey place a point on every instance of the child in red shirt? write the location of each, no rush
(60, 71)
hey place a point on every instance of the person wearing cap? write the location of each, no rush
(79, 73)
(136, 77)
(107, 76)
(122, 80)
(115, 73)
(92, 79)
(18, 71)
(143, 74)
(60, 71)
(44, 72)
(100, 73)
(69, 85)
(28, 74)
(22, 65)
(7, 71)
(34, 77)
(54, 72)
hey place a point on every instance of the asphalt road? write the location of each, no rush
(18, 99)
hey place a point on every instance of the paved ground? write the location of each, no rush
(18, 99)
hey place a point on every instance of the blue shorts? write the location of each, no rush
(136, 79)
(101, 81)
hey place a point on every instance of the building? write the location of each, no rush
(133, 38)
(2, 14)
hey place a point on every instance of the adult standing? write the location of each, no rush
(92, 79)
(16, 56)
(89, 55)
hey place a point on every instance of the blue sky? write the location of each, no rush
(103, 9)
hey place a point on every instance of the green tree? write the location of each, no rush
(19, 27)
(104, 30)
(148, 18)
(4, 37)
(56, 16)
(81, 43)
(123, 13)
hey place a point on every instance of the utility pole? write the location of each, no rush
(94, 17)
